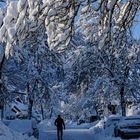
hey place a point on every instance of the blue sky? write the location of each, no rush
(136, 31)
(136, 27)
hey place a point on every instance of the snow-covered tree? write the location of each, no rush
(98, 62)
(108, 28)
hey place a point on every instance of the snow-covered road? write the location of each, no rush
(69, 134)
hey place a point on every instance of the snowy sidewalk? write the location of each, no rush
(69, 134)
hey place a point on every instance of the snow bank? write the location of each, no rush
(47, 124)
(100, 133)
(98, 128)
(21, 126)
(8, 134)
(73, 125)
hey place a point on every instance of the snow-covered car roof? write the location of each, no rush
(129, 121)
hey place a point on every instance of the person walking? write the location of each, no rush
(59, 123)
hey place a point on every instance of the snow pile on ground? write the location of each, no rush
(74, 125)
(98, 128)
(21, 126)
(47, 124)
(100, 133)
(7, 133)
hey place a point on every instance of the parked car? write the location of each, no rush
(128, 127)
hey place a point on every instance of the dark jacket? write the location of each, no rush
(59, 123)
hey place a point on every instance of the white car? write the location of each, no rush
(128, 127)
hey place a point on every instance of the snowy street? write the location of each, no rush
(71, 65)
(69, 134)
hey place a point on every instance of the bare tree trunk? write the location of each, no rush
(2, 105)
(2, 112)
(42, 112)
(122, 101)
(30, 106)
(51, 111)
(122, 92)
(1, 85)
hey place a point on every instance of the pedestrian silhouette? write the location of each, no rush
(59, 123)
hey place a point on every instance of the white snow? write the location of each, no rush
(81, 132)
(12, 9)
(7, 133)
(47, 130)
(124, 9)
(20, 5)
(133, 110)
(21, 126)
(111, 4)
(11, 32)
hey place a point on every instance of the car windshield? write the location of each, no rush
(133, 119)
(130, 127)
(129, 121)
(135, 127)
